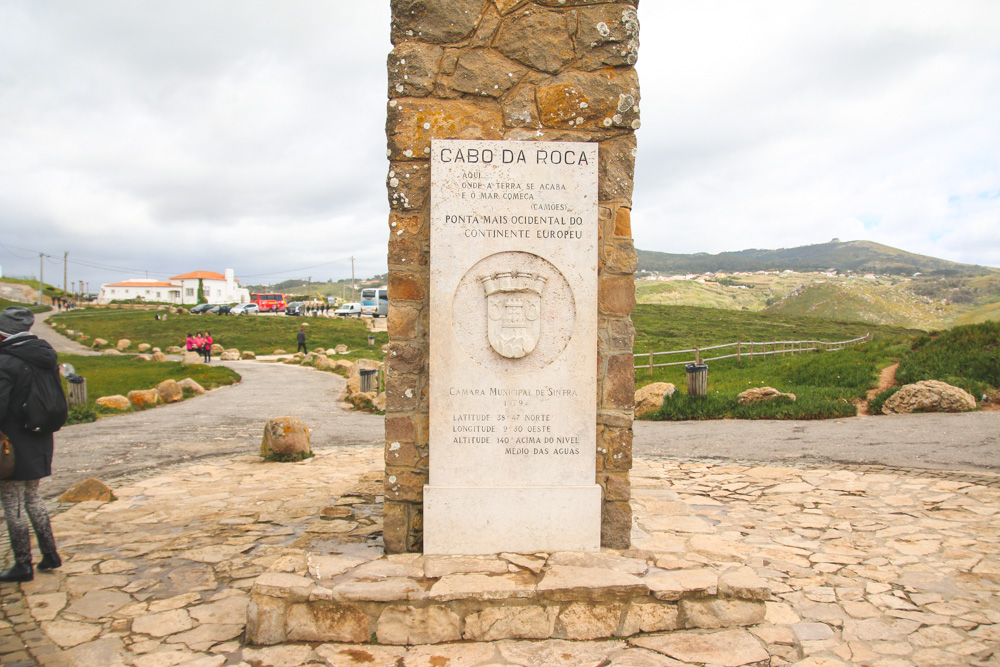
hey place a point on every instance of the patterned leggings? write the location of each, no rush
(20, 498)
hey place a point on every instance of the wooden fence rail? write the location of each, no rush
(751, 349)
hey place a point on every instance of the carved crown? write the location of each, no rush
(513, 281)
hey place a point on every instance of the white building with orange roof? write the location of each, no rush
(182, 289)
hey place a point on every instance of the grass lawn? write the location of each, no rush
(261, 334)
(107, 376)
(33, 308)
(826, 384)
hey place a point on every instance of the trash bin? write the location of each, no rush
(77, 387)
(697, 379)
(368, 380)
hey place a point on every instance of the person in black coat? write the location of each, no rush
(300, 337)
(32, 450)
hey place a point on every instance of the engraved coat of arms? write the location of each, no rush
(514, 308)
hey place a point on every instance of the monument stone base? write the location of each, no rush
(409, 599)
(477, 520)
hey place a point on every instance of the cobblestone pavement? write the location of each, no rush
(875, 567)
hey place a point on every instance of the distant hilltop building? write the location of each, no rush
(181, 290)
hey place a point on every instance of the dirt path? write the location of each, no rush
(886, 380)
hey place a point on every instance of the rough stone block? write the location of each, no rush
(720, 613)
(406, 322)
(734, 648)
(569, 583)
(616, 525)
(620, 257)
(117, 402)
(539, 38)
(616, 294)
(614, 448)
(583, 621)
(413, 67)
(590, 100)
(619, 382)
(615, 486)
(406, 357)
(395, 526)
(403, 484)
(519, 109)
(88, 489)
(405, 625)
(617, 169)
(406, 287)
(676, 584)
(650, 617)
(434, 21)
(743, 583)
(285, 435)
(475, 586)
(484, 72)
(607, 36)
(413, 122)
(623, 222)
(506, 622)
(170, 391)
(327, 621)
(402, 223)
(143, 398)
(405, 391)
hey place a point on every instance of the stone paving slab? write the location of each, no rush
(879, 568)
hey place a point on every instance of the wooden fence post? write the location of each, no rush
(738, 358)
(650, 364)
(697, 354)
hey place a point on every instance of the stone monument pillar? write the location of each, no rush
(509, 268)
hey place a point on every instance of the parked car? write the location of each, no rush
(245, 309)
(295, 309)
(348, 309)
(221, 309)
(200, 308)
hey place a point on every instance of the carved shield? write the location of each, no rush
(514, 322)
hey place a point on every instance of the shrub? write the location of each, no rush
(288, 458)
(81, 414)
(876, 402)
(966, 356)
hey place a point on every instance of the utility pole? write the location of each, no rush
(41, 276)
(354, 287)
(65, 263)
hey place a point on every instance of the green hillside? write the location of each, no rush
(851, 256)
(857, 281)
(862, 302)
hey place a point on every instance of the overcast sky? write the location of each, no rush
(206, 134)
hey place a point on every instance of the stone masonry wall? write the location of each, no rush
(547, 70)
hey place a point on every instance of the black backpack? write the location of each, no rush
(45, 409)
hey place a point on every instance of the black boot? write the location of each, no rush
(20, 572)
(50, 561)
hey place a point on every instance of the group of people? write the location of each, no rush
(201, 343)
(316, 309)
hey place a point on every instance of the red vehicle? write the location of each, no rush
(269, 303)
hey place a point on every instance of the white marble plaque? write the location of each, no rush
(513, 348)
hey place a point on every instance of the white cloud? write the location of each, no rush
(250, 134)
(799, 123)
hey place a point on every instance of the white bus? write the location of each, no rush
(375, 301)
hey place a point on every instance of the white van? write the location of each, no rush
(348, 310)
